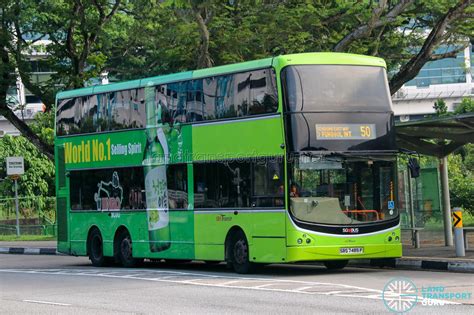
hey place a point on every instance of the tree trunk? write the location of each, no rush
(27, 132)
(204, 59)
(7, 79)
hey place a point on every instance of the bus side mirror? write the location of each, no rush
(414, 167)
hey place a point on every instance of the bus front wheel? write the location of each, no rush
(336, 264)
(240, 254)
(125, 255)
(96, 251)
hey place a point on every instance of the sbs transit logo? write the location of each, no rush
(350, 230)
(400, 295)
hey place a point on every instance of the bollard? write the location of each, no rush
(458, 233)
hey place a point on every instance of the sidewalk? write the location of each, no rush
(428, 257)
(28, 247)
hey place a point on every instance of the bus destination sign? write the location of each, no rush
(345, 131)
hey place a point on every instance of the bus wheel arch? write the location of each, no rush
(123, 248)
(95, 247)
(237, 251)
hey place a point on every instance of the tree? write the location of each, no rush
(74, 27)
(461, 180)
(38, 179)
(466, 106)
(133, 39)
(11, 48)
(440, 107)
(443, 31)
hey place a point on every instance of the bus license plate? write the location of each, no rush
(351, 250)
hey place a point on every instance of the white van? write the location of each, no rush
(33, 106)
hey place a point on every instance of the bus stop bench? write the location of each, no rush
(465, 231)
(415, 235)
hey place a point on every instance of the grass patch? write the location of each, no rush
(12, 238)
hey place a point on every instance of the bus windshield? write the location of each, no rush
(342, 190)
(336, 88)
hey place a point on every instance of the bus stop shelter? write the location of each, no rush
(438, 137)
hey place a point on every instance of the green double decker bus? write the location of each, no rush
(280, 160)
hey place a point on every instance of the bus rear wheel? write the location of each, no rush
(239, 251)
(95, 249)
(336, 264)
(125, 250)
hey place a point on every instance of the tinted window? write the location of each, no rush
(107, 189)
(240, 184)
(222, 185)
(161, 101)
(336, 88)
(77, 109)
(195, 101)
(256, 93)
(178, 93)
(209, 86)
(224, 100)
(89, 114)
(120, 109)
(268, 183)
(177, 180)
(32, 99)
(137, 109)
(220, 97)
(65, 116)
(101, 112)
(240, 95)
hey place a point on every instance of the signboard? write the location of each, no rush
(345, 131)
(15, 165)
(457, 219)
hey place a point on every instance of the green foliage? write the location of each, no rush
(38, 179)
(461, 180)
(246, 30)
(440, 107)
(141, 38)
(146, 38)
(43, 126)
(466, 106)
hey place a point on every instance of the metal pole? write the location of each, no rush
(448, 233)
(458, 233)
(410, 201)
(17, 210)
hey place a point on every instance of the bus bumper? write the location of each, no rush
(339, 252)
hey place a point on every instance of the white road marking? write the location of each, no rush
(192, 281)
(264, 285)
(46, 302)
(230, 282)
(227, 281)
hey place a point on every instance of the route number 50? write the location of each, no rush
(365, 131)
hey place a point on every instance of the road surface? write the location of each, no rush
(63, 284)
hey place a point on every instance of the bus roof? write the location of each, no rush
(279, 62)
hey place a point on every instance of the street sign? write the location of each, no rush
(458, 233)
(15, 165)
(457, 219)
